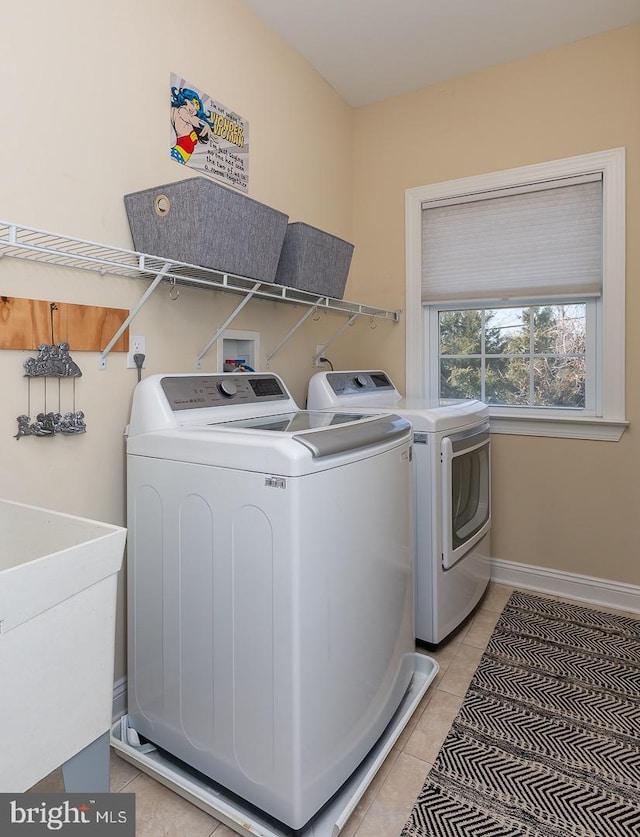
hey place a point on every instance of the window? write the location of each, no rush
(515, 295)
(531, 356)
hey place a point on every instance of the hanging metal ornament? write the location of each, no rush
(53, 361)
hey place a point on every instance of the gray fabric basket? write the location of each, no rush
(313, 260)
(202, 223)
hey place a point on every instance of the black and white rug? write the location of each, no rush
(547, 741)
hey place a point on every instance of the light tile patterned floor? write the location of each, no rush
(385, 806)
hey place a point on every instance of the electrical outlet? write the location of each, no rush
(319, 350)
(136, 347)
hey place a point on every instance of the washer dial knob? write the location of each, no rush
(360, 381)
(227, 389)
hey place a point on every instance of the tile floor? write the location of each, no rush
(386, 804)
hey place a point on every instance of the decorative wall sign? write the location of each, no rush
(208, 136)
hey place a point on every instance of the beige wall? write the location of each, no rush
(566, 505)
(86, 120)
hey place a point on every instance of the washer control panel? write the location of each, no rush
(192, 392)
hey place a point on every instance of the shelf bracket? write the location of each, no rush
(290, 334)
(226, 324)
(102, 361)
(319, 354)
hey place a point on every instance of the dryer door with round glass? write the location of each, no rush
(466, 495)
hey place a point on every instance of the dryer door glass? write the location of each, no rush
(466, 505)
(469, 492)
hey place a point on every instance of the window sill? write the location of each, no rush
(577, 427)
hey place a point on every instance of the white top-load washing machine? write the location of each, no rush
(270, 584)
(452, 492)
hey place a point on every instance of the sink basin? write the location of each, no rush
(58, 581)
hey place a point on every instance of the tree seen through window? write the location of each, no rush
(518, 356)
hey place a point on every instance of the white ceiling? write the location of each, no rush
(369, 50)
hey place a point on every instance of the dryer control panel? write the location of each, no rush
(194, 392)
(357, 383)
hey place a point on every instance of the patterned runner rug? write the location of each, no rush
(547, 741)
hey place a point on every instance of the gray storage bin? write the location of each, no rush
(313, 260)
(202, 223)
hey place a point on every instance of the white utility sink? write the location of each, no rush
(58, 576)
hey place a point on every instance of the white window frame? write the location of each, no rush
(608, 420)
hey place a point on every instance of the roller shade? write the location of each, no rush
(538, 242)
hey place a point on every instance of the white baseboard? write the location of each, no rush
(612, 595)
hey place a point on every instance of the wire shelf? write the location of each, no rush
(50, 248)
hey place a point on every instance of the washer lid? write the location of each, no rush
(293, 422)
(275, 450)
(325, 433)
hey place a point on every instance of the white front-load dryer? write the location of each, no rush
(270, 585)
(451, 492)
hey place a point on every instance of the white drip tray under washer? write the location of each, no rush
(331, 818)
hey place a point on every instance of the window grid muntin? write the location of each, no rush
(588, 316)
